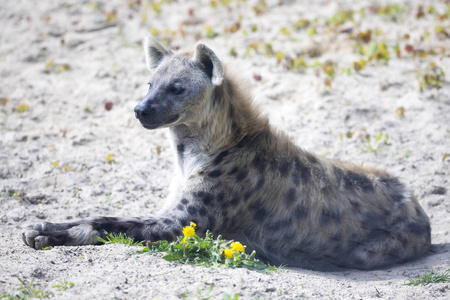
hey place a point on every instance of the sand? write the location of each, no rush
(61, 62)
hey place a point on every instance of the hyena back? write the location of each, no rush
(238, 177)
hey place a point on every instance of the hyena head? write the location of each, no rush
(179, 85)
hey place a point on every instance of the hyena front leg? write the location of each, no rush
(87, 231)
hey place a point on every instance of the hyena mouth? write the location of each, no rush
(173, 119)
(150, 125)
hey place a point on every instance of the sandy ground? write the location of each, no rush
(62, 61)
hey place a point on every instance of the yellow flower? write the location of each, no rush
(183, 241)
(188, 231)
(228, 253)
(237, 247)
(193, 224)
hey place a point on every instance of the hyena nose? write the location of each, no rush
(141, 111)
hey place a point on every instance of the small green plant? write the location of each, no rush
(63, 285)
(26, 291)
(206, 289)
(120, 238)
(375, 51)
(429, 277)
(228, 297)
(376, 146)
(207, 251)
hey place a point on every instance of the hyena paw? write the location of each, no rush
(34, 240)
(39, 226)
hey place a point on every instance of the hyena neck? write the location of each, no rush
(227, 116)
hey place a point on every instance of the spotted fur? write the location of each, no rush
(239, 177)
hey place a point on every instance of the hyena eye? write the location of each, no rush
(177, 90)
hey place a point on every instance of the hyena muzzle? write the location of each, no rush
(238, 177)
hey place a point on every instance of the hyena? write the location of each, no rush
(239, 177)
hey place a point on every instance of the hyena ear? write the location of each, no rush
(154, 52)
(210, 63)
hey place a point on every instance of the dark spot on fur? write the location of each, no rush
(339, 175)
(403, 239)
(180, 207)
(417, 229)
(396, 197)
(300, 211)
(247, 195)
(241, 175)
(394, 253)
(259, 164)
(374, 236)
(348, 183)
(255, 205)
(220, 157)
(167, 221)
(165, 235)
(225, 223)
(395, 188)
(183, 222)
(233, 171)
(289, 234)
(355, 206)
(191, 210)
(290, 196)
(235, 128)
(301, 173)
(370, 219)
(202, 211)
(273, 165)
(337, 236)
(154, 236)
(389, 181)
(220, 196)
(327, 190)
(330, 214)
(359, 180)
(231, 111)
(234, 201)
(260, 215)
(278, 225)
(284, 168)
(180, 149)
(184, 201)
(207, 198)
(224, 205)
(259, 183)
(312, 159)
(215, 173)
(244, 141)
(211, 222)
(307, 241)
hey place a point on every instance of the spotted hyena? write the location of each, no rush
(239, 177)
